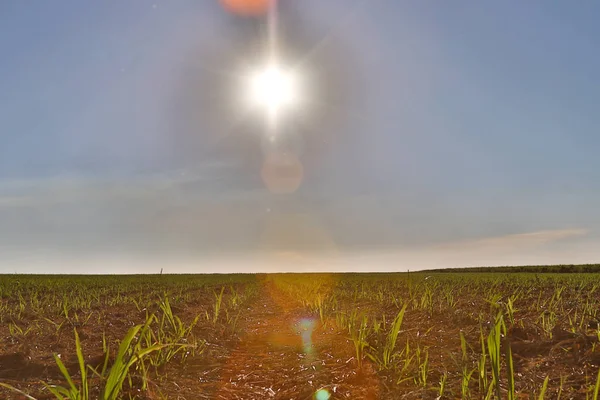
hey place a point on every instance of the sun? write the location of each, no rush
(273, 89)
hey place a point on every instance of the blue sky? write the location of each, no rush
(447, 133)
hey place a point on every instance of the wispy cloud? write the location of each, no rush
(518, 240)
(219, 179)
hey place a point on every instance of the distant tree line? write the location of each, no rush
(562, 268)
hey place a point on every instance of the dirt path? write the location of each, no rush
(287, 354)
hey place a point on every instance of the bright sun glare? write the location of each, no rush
(273, 88)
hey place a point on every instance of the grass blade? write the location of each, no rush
(544, 387)
(81, 361)
(597, 388)
(74, 392)
(511, 374)
(14, 389)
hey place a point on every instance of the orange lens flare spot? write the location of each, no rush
(247, 7)
(282, 173)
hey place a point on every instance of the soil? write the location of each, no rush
(279, 350)
(283, 352)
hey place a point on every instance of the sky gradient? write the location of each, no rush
(445, 134)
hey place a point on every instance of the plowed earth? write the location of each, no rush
(277, 349)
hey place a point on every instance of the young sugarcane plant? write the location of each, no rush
(493, 343)
(389, 349)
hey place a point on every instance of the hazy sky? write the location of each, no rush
(439, 133)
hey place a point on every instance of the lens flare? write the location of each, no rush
(305, 327)
(248, 7)
(273, 89)
(282, 173)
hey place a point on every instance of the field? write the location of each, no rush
(317, 336)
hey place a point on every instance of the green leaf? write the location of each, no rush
(544, 387)
(14, 389)
(81, 360)
(65, 373)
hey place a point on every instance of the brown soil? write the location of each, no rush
(282, 353)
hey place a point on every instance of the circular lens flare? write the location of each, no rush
(322, 394)
(282, 173)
